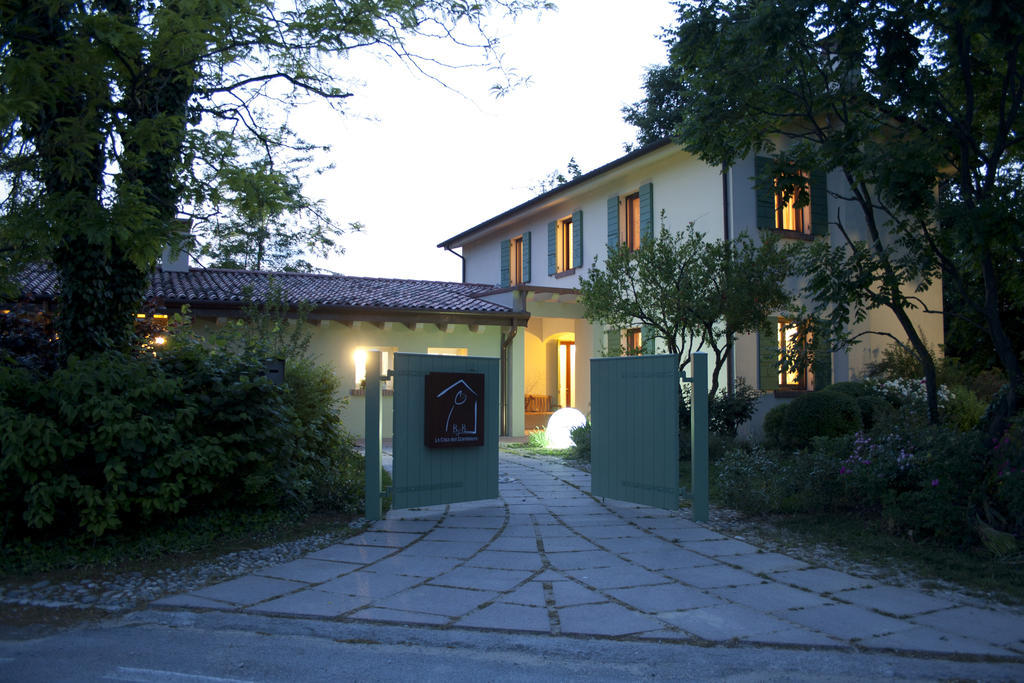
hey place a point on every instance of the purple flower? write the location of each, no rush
(935, 482)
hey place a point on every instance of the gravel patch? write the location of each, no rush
(131, 590)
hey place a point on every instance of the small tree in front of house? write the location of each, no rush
(690, 292)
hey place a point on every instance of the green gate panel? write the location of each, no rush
(435, 476)
(634, 417)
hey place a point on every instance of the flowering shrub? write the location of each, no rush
(960, 407)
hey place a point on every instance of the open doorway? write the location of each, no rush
(567, 373)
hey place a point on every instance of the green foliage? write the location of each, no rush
(726, 411)
(688, 291)
(116, 442)
(792, 425)
(118, 115)
(964, 410)
(538, 438)
(897, 99)
(926, 482)
(580, 436)
(873, 408)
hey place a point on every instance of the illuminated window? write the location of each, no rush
(447, 351)
(634, 341)
(631, 225)
(788, 216)
(387, 362)
(515, 268)
(793, 378)
(563, 254)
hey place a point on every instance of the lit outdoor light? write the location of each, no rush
(560, 424)
(160, 340)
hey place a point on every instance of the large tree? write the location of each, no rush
(688, 291)
(110, 110)
(916, 103)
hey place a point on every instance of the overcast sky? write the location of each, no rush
(417, 163)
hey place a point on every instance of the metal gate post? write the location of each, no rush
(373, 436)
(699, 436)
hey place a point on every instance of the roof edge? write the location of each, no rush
(460, 238)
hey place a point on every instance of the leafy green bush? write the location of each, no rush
(820, 413)
(726, 412)
(117, 442)
(537, 438)
(852, 389)
(964, 409)
(581, 439)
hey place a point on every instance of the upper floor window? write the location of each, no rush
(565, 243)
(788, 216)
(634, 341)
(631, 224)
(515, 260)
(516, 264)
(776, 211)
(563, 253)
(631, 218)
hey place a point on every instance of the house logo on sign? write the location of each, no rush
(454, 409)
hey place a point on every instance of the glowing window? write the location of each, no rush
(387, 360)
(793, 378)
(563, 245)
(447, 351)
(788, 216)
(631, 229)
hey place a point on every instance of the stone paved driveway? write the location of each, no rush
(547, 557)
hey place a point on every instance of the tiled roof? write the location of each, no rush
(213, 287)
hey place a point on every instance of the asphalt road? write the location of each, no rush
(216, 646)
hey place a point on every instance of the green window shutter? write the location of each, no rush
(526, 257)
(646, 211)
(552, 247)
(647, 339)
(613, 340)
(577, 236)
(765, 197)
(768, 355)
(819, 203)
(822, 366)
(613, 222)
(505, 261)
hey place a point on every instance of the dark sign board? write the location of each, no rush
(454, 409)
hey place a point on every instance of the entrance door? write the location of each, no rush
(567, 374)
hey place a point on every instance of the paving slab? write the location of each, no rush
(310, 603)
(899, 602)
(983, 624)
(568, 593)
(482, 578)
(500, 559)
(308, 571)
(448, 533)
(720, 548)
(368, 584)
(771, 597)
(616, 577)
(606, 619)
(821, 580)
(248, 590)
(458, 549)
(665, 597)
(404, 525)
(391, 539)
(766, 563)
(509, 617)
(351, 553)
(400, 616)
(531, 594)
(848, 622)
(927, 639)
(449, 602)
(415, 565)
(577, 559)
(507, 542)
(726, 622)
(673, 558)
(712, 576)
(191, 600)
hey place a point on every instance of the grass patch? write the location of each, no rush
(531, 449)
(190, 540)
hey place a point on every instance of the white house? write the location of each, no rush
(536, 252)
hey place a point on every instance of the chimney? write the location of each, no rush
(175, 255)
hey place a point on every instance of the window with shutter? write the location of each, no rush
(776, 211)
(613, 222)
